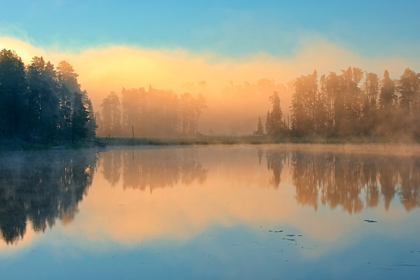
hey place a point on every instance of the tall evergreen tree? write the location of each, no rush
(79, 118)
(260, 128)
(408, 88)
(268, 124)
(387, 97)
(276, 116)
(13, 89)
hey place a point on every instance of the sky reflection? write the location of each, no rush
(224, 201)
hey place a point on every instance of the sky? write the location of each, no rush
(228, 28)
(167, 44)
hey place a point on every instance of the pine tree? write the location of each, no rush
(268, 124)
(387, 97)
(79, 118)
(276, 116)
(260, 128)
(13, 89)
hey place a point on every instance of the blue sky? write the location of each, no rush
(230, 28)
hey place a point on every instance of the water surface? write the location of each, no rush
(217, 212)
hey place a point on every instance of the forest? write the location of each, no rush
(41, 102)
(151, 113)
(344, 106)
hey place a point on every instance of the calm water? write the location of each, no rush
(240, 212)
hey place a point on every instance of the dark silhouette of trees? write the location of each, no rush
(342, 106)
(38, 102)
(13, 93)
(43, 101)
(79, 118)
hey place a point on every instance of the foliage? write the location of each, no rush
(341, 106)
(151, 113)
(39, 102)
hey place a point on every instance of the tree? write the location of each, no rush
(322, 109)
(387, 97)
(369, 119)
(91, 124)
(68, 77)
(276, 116)
(304, 105)
(188, 114)
(200, 104)
(260, 128)
(351, 101)
(268, 124)
(13, 89)
(111, 114)
(409, 90)
(43, 103)
(40, 102)
(79, 118)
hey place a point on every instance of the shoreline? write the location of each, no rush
(102, 142)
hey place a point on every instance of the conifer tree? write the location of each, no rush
(260, 128)
(79, 118)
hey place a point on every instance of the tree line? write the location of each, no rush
(39, 101)
(149, 113)
(341, 105)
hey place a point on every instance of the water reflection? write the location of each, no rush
(275, 161)
(352, 181)
(41, 187)
(153, 168)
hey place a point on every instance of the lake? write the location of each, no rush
(211, 212)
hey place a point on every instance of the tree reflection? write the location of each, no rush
(352, 182)
(153, 168)
(275, 161)
(41, 187)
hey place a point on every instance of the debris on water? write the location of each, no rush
(277, 231)
(290, 235)
(291, 239)
(270, 231)
(300, 235)
(371, 221)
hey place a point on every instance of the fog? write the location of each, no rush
(236, 90)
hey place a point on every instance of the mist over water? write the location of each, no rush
(137, 209)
